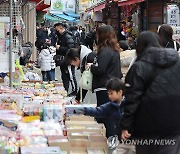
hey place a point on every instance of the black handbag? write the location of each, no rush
(59, 60)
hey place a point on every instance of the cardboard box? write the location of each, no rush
(98, 141)
(81, 118)
(40, 150)
(96, 150)
(81, 143)
(59, 141)
(86, 129)
(69, 123)
(77, 136)
(78, 151)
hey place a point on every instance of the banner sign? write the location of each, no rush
(59, 6)
(173, 17)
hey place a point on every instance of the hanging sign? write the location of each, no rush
(59, 6)
(173, 17)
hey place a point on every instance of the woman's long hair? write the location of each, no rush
(107, 38)
(146, 40)
(165, 33)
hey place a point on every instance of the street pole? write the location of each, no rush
(11, 43)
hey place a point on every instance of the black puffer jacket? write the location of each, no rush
(107, 65)
(152, 105)
(66, 42)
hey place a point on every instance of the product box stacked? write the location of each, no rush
(20, 107)
(37, 101)
(21, 110)
(82, 135)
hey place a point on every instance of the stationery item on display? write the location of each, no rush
(48, 113)
(41, 122)
(8, 124)
(18, 111)
(58, 113)
(30, 118)
(6, 98)
(38, 150)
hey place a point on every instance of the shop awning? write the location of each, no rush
(129, 2)
(99, 7)
(74, 15)
(49, 17)
(41, 6)
(65, 17)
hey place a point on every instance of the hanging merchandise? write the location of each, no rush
(18, 75)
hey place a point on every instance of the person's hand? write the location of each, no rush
(80, 110)
(57, 47)
(125, 134)
(88, 65)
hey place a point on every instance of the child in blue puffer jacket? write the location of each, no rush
(111, 113)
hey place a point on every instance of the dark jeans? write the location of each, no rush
(102, 98)
(65, 76)
(53, 74)
(168, 145)
(78, 96)
(46, 75)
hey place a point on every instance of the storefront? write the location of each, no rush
(111, 15)
(133, 16)
(94, 14)
(164, 12)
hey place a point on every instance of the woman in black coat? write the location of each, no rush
(107, 64)
(151, 107)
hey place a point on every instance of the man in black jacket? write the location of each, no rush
(90, 39)
(64, 43)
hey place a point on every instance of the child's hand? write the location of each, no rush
(125, 134)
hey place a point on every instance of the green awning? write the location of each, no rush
(49, 17)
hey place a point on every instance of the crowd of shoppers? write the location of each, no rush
(151, 90)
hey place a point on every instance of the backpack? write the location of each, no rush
(27, 52)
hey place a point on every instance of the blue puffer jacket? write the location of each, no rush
(111, 112)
